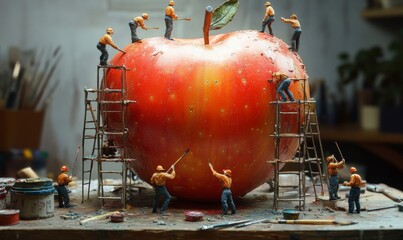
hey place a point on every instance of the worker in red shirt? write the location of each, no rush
(226, 195)
(297, 31)
(134, 23)
(333, 170)
(106, 39)
(268, 18)
(170, 16)
(355, 190)
(62, 194)
(158, 180)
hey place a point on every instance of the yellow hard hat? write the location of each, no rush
(160, 168)
(171, 3)
(353, 170)
(145, 16)
(267, 4)
(293, 16)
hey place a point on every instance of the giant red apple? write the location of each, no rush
(215, 100)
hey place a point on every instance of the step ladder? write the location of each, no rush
(109, 148)
(89, 140)
(314, 155)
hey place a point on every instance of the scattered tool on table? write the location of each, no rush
(314, 222)
(224, 225)
(70, 216)
(252, 222)
(102, 216)
(379, 189)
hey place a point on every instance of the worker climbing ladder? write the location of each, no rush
(307, 159)
(105, 125)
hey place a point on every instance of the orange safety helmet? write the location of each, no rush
(171, 3)
(353, 170)
(145, 16)
(160, 168)
(64, 169)
(227, 172)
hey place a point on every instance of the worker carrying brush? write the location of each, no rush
(158, 180)
(355, 190)
(226, 195)
(333, 170)
(62, 181)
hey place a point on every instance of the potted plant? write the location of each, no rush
(364, 73)
(391, 88)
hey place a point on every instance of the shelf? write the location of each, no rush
(383, 13)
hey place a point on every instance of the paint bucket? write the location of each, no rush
(7, 183)
(33, 197)
(9, 217)
(193, 216)
(291, 214)
(3, 195)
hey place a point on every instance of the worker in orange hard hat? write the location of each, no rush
(62, 194)
(106, 39)
(355, 190)
(333, 170)
(268, 18)
(170, 16)
(134, 23)
(226, 195)
(158, 180)
(297, 31)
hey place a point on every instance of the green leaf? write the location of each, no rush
(224, 14)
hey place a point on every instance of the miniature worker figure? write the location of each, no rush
(354, 195)
(170, 16)
(297, 31)
(158, 180)
(268, 18)
(226, 195)
(284, 81)
(103, 41)
(134, 23)
(62, 195)
(333, 169)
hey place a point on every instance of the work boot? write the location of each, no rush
(69, 206)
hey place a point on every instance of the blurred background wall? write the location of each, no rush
(329, 28)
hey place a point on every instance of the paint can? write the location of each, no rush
(33, 197)
(9, 217)
(193, 216)
(3, 195)
(7, 183)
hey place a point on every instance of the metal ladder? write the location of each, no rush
(314, 150)
(103, 153)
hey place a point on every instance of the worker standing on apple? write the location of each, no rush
(170, 16)
(284, 81)
(103, 41)
(158, 180)
(134, 23)
(268, 18)
(297, 31)
(226, 195)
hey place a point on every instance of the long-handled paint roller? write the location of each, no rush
(180, 158)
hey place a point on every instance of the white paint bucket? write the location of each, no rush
(33, 197)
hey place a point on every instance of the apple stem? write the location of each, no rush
(207, 21)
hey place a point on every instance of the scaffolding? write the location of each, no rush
(100, 138)
(309, 156)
